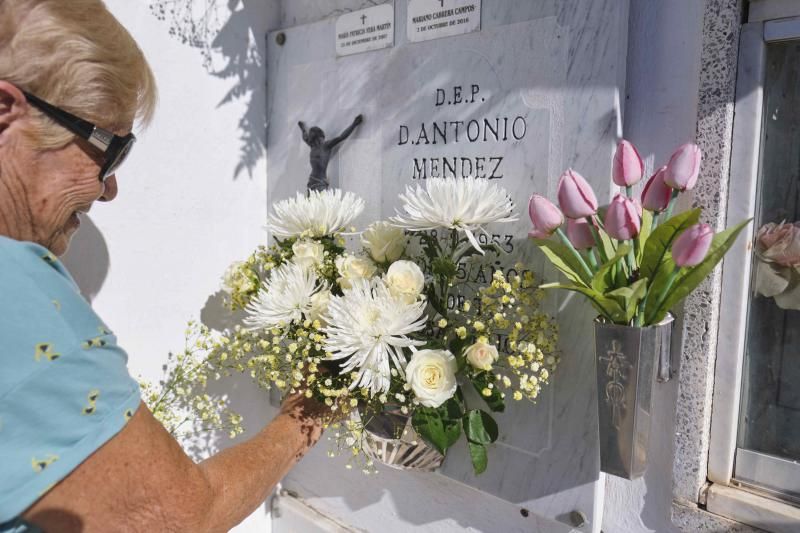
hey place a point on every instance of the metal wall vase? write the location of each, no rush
(627, 358)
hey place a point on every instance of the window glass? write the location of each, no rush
(770, 414)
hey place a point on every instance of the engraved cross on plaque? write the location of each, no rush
(363, 19)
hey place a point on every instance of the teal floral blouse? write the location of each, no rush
(64, 385)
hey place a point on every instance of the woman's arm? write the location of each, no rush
(141, 480)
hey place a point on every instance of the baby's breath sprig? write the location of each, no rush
(180, 401)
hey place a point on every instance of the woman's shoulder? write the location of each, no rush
(44, 315)
(28, 259)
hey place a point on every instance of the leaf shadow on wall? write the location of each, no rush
(232, 49)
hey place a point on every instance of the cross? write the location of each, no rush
(363, 18)
(441, 3)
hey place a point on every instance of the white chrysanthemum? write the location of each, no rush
(286, 297)
(464, 204)
(370, 328)
(318, 214)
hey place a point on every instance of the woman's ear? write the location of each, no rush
(13, 105)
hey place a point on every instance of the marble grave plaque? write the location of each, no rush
(515, 103)
(365, 30)
(433, 19)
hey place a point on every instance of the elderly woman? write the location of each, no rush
(78, 449)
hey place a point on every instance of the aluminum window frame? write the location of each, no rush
(731, 495)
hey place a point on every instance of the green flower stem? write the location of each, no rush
(655, 221)
(675, 193)
(672, 277)
(631, 260)
(629, 191)
(592, 260)
(597, 239)
(578, 256)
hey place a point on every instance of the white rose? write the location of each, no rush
(351, 267)
(384, 242)
(319, 306)
(236, 279)
(432, 376)
(405, 281)
(308, 253)
(481, 355)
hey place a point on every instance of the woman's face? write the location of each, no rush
(44, 192)
(61, 186)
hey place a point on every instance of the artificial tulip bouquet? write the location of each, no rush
(635, 261)
(369, 331)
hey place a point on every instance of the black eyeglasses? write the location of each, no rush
(115, 149)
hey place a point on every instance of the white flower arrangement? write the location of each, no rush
(370, 331)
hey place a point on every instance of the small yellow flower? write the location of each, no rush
(443, 323)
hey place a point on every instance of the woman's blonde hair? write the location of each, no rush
(76, 55)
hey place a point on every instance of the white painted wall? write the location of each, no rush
(151, 259)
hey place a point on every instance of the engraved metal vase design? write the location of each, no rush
(627, 358)
(391, 439)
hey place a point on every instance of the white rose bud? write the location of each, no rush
(481, 355)
(432, 376)
(319, 306)
(307, 253)
(405, 281)
(384, 242)
(234, 279)
(351, 267)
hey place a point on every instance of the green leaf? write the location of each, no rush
(480, 427)
(564, 260)
(444, 267)
(688, 279)
(659, 244)
(436, 426)
(433, 299)
(452, 409)
(480, 459)
(629, 297)
(456, 346)
(495, 400)
(609, 246)
(608, 307)
(604, 278)
(644, 233)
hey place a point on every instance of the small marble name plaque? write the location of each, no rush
(365, 30)
(433, 19)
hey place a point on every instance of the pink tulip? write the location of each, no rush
(575, 195)
(691, 246)
(683, 168)
(579, 233)
(628, 167)
(545, 216)
(622, 218)
(656, 194)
